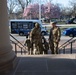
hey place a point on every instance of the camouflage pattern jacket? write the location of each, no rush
(35, 33)
(55, 34)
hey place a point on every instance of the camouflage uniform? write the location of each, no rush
(35, 35)
(28, 45)
(54, 38)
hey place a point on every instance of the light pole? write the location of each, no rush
(39, 9)
(30, 14)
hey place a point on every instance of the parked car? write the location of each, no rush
(71, 21)
(69, 32)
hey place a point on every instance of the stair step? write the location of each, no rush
(51, 64)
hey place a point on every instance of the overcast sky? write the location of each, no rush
(63, 2)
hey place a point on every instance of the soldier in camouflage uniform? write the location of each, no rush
(54, 38)
(36, 38)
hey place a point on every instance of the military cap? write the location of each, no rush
(36, 24)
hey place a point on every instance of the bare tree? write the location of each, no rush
(66, 12)
(16, 7)
(24, 3)
(11, 7)
(73, 7)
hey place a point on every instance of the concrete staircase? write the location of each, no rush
(60, 64)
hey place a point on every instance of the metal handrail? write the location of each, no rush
(16, 44)
(70, 42)
(17, 40)
(65, 42)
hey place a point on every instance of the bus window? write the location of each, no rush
(25, 25)
(13, 25)
(30, 25)
(19, 25)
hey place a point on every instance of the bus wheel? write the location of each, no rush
(21, 33)
(71, 35)
(43, 33)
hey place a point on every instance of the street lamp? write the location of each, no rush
(39, 9)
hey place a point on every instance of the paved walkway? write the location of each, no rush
(61, 64)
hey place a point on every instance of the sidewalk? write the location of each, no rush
(61, 64)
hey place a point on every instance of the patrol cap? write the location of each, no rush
(36, 24)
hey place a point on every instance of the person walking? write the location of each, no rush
(45, 45)
(54, 38)
(28, 45)
(36, 38)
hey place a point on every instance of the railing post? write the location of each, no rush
(24, 52)
(71, 48)
(64, 50)
(21, 50)
(15, 49)
(59, 51)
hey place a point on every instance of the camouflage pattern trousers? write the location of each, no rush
(37, 43)
(54, 47)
